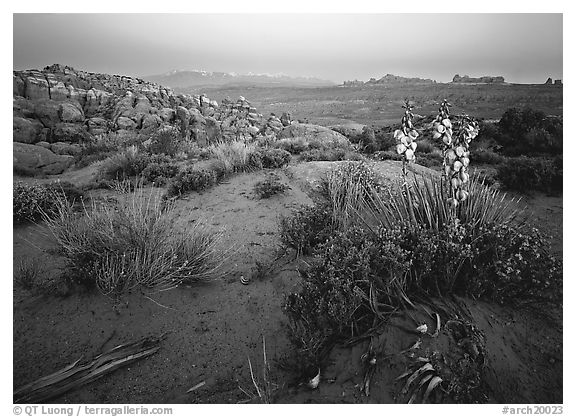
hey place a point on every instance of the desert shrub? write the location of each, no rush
(293, 145)
(103, 146)
(235, 155)
(526, 174)
(166, 140)
(160, 171)
(332, 155)
(385, 139)
(32, 201)
(191, 179)
(270, 186)
(487, 156)
(387, 156)
(357, 277)
(192, 150)
(306, 227)
(430, 160)
(368, 140)
(332, 143)
(135, 243)
(426, 147)
(529, 132)
(128, 163)
(274, 158)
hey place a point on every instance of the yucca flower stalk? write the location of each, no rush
(406, 136)
(456, 151)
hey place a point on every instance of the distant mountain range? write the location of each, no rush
(184, 79)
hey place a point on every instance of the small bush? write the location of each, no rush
(487, 156)
(426, 147)
(191, 179)
(526, 174)
(32, 201)
(269, 187)
(306, 227)
(331, 155)
(135, 243)
(387, 156)
(166, 140)
(430, 160)
(128, 163)
(274, 158)
(160, 171)
(293, 145)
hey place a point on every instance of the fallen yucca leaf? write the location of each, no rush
(415, 375)
(76, 375)
(431, 386)
(415, 392)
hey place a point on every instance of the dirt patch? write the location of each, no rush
(213, 328)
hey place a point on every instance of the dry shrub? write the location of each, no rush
(134, 243)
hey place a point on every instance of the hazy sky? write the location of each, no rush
(522, 47)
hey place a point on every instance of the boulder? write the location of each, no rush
(26, 130)
(63, 148)
(71, 112)
(97, 125)
(19, 87)
(37, 158)
(213, 130)
(151, 121)
(167, 114)
(47, 111)
(314, 132)
(125, 123)
(286, 119)
(350, 130)
(22, 107)
(44, 144)
(69, 132)
(36, 86)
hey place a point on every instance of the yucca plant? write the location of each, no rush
(346, 187)
(423, 204)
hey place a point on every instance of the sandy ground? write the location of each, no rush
(212, 329)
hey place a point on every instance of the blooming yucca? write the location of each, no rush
(406, 136)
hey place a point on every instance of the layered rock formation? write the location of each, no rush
(484, 80)
(58, 109)
(389, 79)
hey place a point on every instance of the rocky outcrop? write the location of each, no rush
(38, 158)
(483, 80)
(62, 106)
(389, 79)
(314, 133)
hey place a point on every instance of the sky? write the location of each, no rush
(524, 48)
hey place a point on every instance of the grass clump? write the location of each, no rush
(133, 244)
(235, 156)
